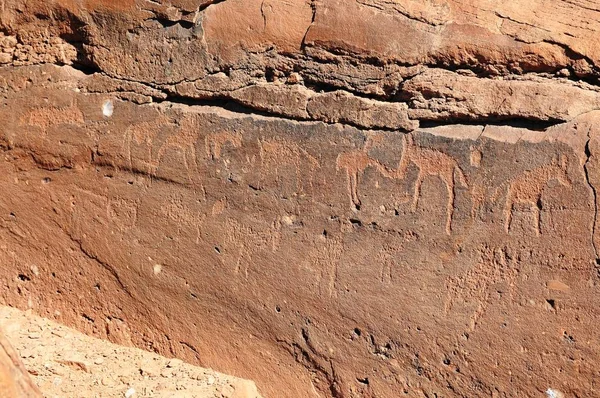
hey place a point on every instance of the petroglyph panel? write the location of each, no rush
(357, 249)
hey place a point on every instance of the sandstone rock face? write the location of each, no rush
(366, 198)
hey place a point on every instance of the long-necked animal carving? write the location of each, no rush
(355, 163)
(528, 187)
(433, 163)
(185, 141)
(276, 154)
(143, 133)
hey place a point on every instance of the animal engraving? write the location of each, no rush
(249, 240)
(478, 196)
(185, 141)
(214, 143)
(123, 212)
(495, 266)
(528, 187)
(177, 211)
(355, 163)
(430, 162)
(143, 133)
(387, 259)
(389, 254)
(46, 117)
(326, 257)
(94, 209)
(276, 154)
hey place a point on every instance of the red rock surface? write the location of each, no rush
(367, 198)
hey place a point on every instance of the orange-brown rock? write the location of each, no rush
(367, 198)
(14, 380)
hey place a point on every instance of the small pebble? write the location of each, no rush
(210, 381)
(227, 391)
(130, 393)
(166, 373)
(59, 333)
(26, 354)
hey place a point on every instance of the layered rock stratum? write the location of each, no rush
(361, 198)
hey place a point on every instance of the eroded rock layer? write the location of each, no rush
(365, 198)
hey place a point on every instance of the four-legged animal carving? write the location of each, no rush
(527, 188)
(143, 133)
(213, 143)
(250, 240)
(433, 163)
(355, 163)
(185, 140)
(276, 153)
(46, 117)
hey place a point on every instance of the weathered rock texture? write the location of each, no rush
(360, 198)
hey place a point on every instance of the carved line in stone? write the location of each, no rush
(330, 255)
(355, 163)
(176, 210)
(527, 188)
(249, 240)
(386, 258)
(388, 254)
(123, 212)
(46, 117)
(214, 143)
(433, 163)
(143, 133)
(185, 140)
(494, 266)
(275, 153)
(428, 162)
(324, 260)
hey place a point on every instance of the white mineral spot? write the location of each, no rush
(107, 108)
(552, 393)
(157, 269)
(130, 393)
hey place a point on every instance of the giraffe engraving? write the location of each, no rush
(528, 188)
(354, 163)
(46, 117)
(143, 133)
(185, 141)
(430, 162)
(214, 142)
(277, 153)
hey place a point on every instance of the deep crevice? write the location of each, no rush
(313, 6)
(588, 154)
(205, 6)
(234, 106)
(305, 355)
(509, 121)
(167, 23)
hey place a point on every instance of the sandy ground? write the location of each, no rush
(66, 363)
